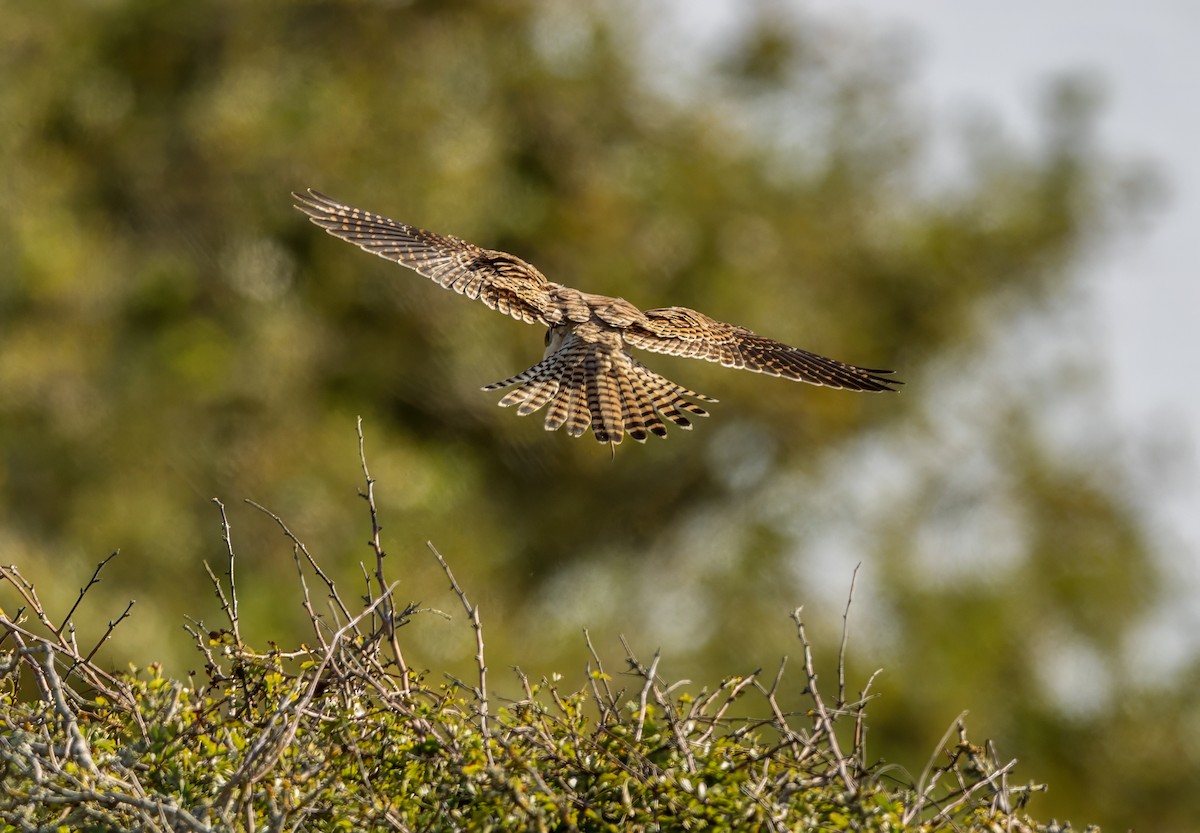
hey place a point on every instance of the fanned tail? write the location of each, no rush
(582, 386)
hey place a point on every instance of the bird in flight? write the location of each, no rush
(587, 377)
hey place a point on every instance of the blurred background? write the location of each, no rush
(171, 330)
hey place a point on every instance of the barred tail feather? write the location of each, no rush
(582, 386)
(579, 416)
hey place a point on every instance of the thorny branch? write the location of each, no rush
(473, 614)
(388, 611)
(228, 605)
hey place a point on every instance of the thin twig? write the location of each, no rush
(801, 747)
(307, 600)
(374, 542)
(112, 625)
(25, 587)
(212, 668)
(823, 715)
(95, 579)
(230, 607)
(648, 675)
(860, 715)
(388, 611)
(986, 780)
(219, 592)
(607, 703)
(735, 685)
(473, 614)
(841, 695)
(103, 682)
(932, 773)
(271, 742)
(312, 562)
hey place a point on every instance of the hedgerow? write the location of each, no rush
(343, 735)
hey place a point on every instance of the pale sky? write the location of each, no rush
(1000, 55)
(1144, 289)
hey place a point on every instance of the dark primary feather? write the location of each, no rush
(679, 331)
(502, 281)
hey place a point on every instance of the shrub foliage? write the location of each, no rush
(341, 734)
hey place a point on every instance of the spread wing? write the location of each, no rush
(679, 331)
(501, 281)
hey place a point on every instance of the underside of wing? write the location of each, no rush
(502, 281)
(679, 331)
(583, 385)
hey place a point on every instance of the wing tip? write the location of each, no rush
(315, 204)
(884, 385)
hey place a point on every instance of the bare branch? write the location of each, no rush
(112, 625)
(275, 738)
(841, 692)
(932, 774)
(231, 606)
(473, 613)
(648, 675)
(608, 703)
(388, 611)
(95, 579)
(317, 625)
(312, 562)
(78, 745)
(823, 716)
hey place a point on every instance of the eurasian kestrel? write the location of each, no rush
(587, 376)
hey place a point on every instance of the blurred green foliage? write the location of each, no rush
(171, 331)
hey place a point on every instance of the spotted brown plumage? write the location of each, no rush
(587, 378)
